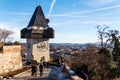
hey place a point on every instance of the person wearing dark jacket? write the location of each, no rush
(41, 69)
(34, 70)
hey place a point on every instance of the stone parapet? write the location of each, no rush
(11, 49)
(10, 61)
(71, 74)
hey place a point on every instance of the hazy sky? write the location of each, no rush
(74, 21)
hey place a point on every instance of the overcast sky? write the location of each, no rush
(74, 21)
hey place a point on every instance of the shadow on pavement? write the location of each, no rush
(45, 78)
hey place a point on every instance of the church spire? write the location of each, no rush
(38, 18)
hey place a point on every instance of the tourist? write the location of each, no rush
(44, 64)
(63, 65)
(41, 69)
(34, 70)
(47, 64)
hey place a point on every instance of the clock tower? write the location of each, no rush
(37, 34)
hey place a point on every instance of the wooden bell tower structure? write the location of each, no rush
(37, 34)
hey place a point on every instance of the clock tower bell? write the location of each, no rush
(37, 34)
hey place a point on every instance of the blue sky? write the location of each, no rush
(74, 21)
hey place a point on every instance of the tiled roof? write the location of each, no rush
(38, 18)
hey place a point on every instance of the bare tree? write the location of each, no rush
(102, 34)
(87, 56)
(109, 36)
(99, 62)
(5, 34)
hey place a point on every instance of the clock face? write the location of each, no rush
(42, 46)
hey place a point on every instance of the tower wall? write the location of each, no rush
(38, 49)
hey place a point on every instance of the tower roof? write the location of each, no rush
(38, 18)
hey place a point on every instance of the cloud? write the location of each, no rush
(76, 16)
(67, 15)
(51, 7)
(95, 10)
(76, 4)
(99, 3)
(74, 38)
(87, 22)
(79, 19)
(18, 13)
(65, 38)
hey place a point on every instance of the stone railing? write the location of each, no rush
(71, 74)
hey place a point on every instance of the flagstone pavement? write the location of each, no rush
(51, 73)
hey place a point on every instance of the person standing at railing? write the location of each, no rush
(63, 65)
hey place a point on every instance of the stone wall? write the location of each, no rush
(12, 49)
(10, 59)
(37, 49)
(70, 74)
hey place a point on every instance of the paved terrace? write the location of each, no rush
(51, 73)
